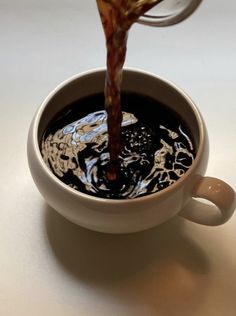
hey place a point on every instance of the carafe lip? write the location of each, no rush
(169, 19)
(160, 194)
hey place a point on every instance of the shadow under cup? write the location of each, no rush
(117, 216)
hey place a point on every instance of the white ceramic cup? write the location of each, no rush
(131, 215)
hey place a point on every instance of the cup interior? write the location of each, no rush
(133, 81)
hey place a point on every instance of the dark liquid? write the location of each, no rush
(157, 148)
(117, 17)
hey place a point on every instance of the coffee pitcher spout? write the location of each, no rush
(169, 12)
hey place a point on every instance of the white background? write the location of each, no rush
(49, 266)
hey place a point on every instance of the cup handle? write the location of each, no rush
(216, 191)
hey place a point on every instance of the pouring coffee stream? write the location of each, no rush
(117, 17)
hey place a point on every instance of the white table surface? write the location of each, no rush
(49, 266)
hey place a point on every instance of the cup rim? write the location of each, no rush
(160, 194)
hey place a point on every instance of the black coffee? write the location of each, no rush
(157, 148)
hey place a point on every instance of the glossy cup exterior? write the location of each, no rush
(130, 215)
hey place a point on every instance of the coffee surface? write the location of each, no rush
(157, 148)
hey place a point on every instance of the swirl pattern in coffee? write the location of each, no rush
(156, 148)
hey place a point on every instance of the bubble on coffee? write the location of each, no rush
(153, 156)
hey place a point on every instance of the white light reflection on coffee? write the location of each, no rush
(65, 152)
